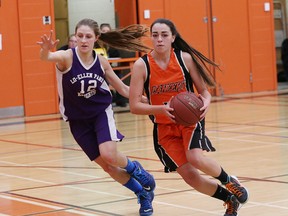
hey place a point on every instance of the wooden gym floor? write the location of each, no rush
(43, 171)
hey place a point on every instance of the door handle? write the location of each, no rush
(205, 19)
(214, 19)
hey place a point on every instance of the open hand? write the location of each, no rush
(47, 43)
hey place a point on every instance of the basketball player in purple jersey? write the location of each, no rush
(86, 102)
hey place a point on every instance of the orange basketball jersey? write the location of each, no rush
(160, 85)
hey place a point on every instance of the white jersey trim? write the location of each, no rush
(60, 94)
(83, 65)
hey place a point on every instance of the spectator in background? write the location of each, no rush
(72, 42)
(113, 53)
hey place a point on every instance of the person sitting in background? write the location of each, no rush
(112, 53)
(72, 43)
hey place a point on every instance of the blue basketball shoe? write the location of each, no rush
(143, 177)
(145, 199)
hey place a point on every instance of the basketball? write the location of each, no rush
(186, 107)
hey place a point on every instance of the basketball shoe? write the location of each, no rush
(232, 206)
(143, 177)
(145, 199)
(240, 192)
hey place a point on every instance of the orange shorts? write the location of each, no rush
(172, 141)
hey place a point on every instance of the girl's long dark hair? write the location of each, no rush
(200, 60)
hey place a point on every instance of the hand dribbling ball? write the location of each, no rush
(186, 107)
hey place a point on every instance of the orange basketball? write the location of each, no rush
(186, 107)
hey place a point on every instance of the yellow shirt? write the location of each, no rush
(101, 51)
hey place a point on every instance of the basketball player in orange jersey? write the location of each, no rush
(173, 66)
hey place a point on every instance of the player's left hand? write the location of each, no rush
(205, 106)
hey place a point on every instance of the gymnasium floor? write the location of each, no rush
(43, 171)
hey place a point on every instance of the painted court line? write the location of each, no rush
(47, 206)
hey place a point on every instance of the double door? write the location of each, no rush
(238, 36)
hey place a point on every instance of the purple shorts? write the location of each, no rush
(89, 134)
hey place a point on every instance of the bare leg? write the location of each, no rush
(118, 174)
(207, 165)
(193, 178)
(111, 159)
(111, 155)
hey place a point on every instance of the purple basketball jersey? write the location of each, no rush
(83, 90)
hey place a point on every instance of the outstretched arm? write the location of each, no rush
(60, 57)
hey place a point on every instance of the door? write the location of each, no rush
(220, 34)
(193, 23)
(238, 35)
(11, 102)
(231, 46)
(219, 30)
(190, 18)
(39, 81)
(263, 55)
